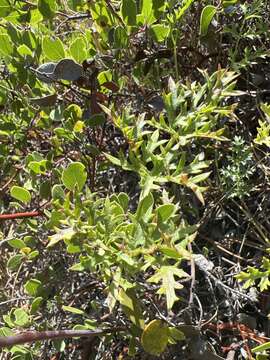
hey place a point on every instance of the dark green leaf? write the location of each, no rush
(129, 12)
(47, 8)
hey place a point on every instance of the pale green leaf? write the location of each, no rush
(77, 49)
(74, 176)
(206, 17)
(21, 194)
(6, 46)
(53, 48)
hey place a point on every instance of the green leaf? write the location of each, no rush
(5, 331)
(32, 286)
(63, 234)
(47, 8)
(17, 243)
(21, 317)
(53, 49)
(147, 10)
(227, 3)
(74, 176)
(120, 37)
(5, 8)
(155, 337)
(77, 49)
(145, 208)
(38, 167)
(129, 12)
(6, 46)
(181, 11)
(164, 212)
(73, 310)
(176, 334)
(68, 69)
(24, 50)
(166, 275)
(206, 17)
(58, 192)
(21, 194)
(160, 32)
(36, 304)
(262, 347)
(15, 261)
(199, 178)
(131, 307)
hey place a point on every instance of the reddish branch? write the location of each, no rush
(21, 215)
(33, 336)
(243, 330)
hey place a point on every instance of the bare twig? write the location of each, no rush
(33, 336)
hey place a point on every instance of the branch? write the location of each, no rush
(20, 215)
(33, 336)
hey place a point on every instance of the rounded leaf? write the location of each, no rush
(21, 194)
(78, 49)
(74, 176)
(53, 48)
(21, 317)
(155, 337)
(45, 72)
(15, 261)
(68, 69)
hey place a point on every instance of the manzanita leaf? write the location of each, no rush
(5, 8)
(21, 317)
(47, 8)
(129, 12)
(155, 337)
(53, 48)
(32, 286)
(6, 47)
(21, 194)
(77, 49)
(68, 69)
(44, 101)
(74, 176)
(45, 72)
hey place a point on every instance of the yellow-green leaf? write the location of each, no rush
(155, 337)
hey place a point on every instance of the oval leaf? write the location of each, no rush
(15, 261)
(21, 194)
(45, 72)
(73, 310)
(6, 47)
(47, 8)
(68, 69)
(78, 49)
(53, 48)
(155, 337)
(74, 176)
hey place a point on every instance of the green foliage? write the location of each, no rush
(193, 112)
(112, 130)
(235, 176)
(19, 193)
(256, 276)
(206, 17)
